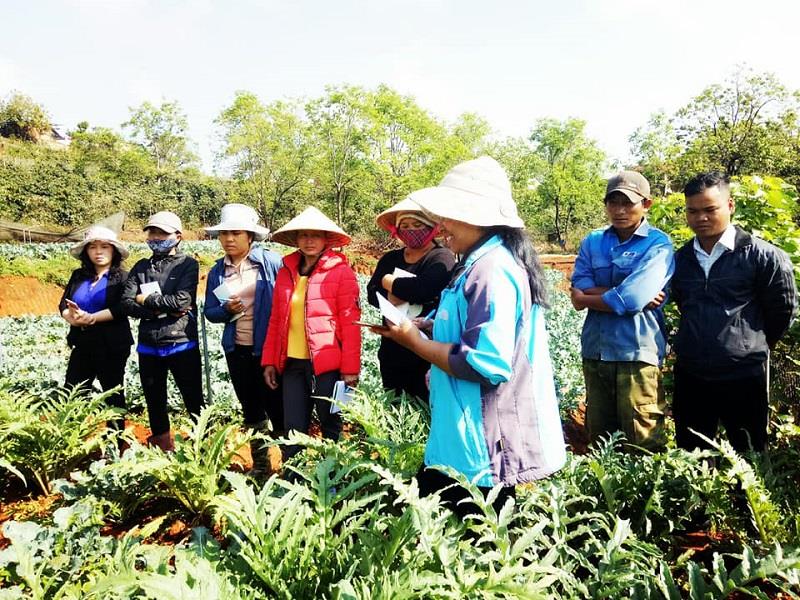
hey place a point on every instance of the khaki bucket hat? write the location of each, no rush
(477, 192)
(311, 218)
(98, 233)
(388, 219)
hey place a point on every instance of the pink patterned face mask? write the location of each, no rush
(417, 238)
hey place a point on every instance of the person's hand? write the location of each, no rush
(351, 380)
(424, 325)
(140, 298)
(180, 313)
(405, 334)
(84, 319)
(234, 305)
(576, 296)
(657, 301)
(271, 377)
(394, 299)
(386, 282)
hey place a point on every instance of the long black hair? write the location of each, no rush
(521, 248)
(87, 266)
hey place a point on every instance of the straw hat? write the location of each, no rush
(311, 218)
(391, 217)
(98, 233)
(239, 217)
(477, 192)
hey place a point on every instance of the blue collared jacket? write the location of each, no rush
(268, 265)
(496, 419)
(634, 271)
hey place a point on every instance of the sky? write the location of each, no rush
(609, 62)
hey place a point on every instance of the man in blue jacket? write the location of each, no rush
(620, 274)
(737, 297)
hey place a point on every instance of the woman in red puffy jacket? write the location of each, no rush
(312, 340)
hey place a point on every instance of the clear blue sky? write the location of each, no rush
(610, 62)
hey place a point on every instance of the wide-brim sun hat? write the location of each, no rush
(388, 220)
(98, 233)
(166, 221)
(239, 217)
(311, 219)
(477, 192)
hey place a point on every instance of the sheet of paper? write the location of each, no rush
(150, 287)
(398, 272)
(342, 394)
(223, 294)
(390, 312)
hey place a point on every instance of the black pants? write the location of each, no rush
(739, 404)
(299, 385)
(258, 400)
(186, 370)
(431, 481)
(401, 371)
(90, 362)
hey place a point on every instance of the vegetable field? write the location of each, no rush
(81, 520)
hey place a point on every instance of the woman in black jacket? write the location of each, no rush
(161, 292)
(99, 333)
(412, 278)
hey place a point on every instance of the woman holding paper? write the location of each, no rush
(312, 340)
(239, 294)
(99, 333)
(494, 413)
(411, 278)
(160, 292)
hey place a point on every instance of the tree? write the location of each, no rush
(268, 149)
(21, 117)
(747, 125)
(338, 132)
(162, 131)
(571, 182)
(658, 150)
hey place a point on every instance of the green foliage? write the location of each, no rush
(47, 437)
(192, 475)
(21, 117)
(162, 132)
(747, 125)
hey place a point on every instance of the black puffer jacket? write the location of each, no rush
(730, 319)
(177, 277)
(115, 335)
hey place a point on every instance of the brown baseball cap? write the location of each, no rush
(630, 183)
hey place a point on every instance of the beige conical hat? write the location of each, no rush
(311, 218)
(388, 219)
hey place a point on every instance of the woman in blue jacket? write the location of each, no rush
(494, 413)
(239, 294)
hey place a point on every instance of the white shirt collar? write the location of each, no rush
(728, 239)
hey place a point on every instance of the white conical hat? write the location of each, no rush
(388, 219)
(477, 192)
(311, 218)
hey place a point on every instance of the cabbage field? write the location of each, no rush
(81, 520)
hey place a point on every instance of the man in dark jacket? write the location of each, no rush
(737, 297)
(161, 292)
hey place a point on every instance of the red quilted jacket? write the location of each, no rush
(331, 307)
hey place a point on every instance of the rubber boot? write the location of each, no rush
(163, 441)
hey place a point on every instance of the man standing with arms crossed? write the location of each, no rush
(620, 274)
(737, 297)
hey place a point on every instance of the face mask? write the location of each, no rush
(416, 238)
(162, 246)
